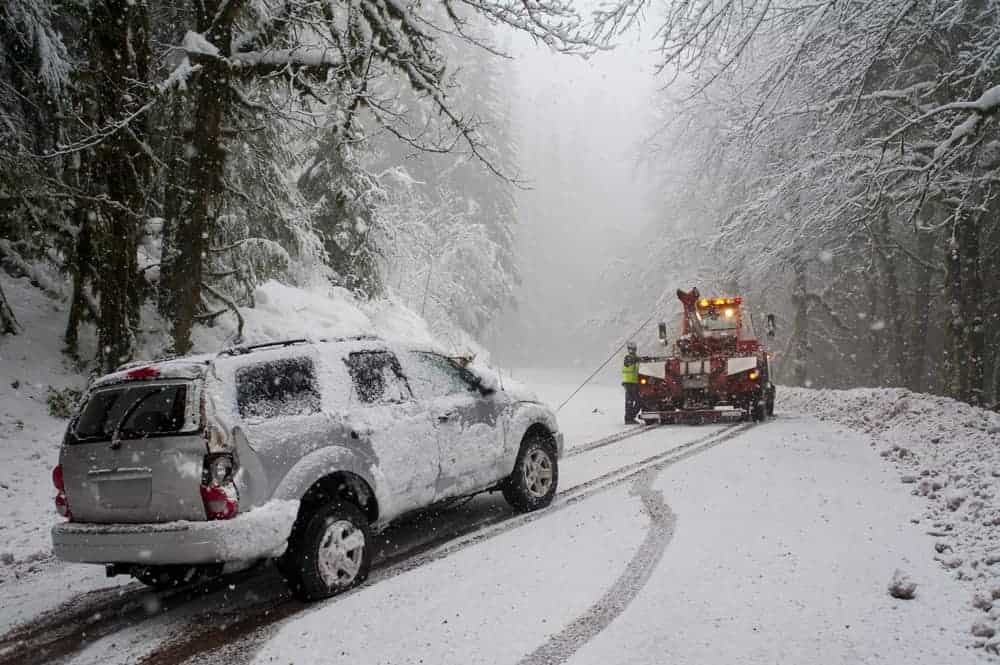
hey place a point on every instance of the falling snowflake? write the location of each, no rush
(151, 604)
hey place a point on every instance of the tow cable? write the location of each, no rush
(604, 364)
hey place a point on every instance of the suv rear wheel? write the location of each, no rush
(532, 483)
(330, 553)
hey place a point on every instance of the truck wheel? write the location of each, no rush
(532, 483)
(759, 413)
(330, 553)
(770, 406)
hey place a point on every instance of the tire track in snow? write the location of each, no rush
(560, 647)
(239, 641)
(611, 438)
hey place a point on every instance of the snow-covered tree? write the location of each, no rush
(862, 143)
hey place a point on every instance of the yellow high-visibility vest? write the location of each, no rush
(630, 372)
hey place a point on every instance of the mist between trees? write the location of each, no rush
(835, 162)
(168, 157)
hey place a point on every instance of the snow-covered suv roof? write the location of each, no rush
(195, 366)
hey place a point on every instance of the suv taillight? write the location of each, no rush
(218, 492)
(62, 505)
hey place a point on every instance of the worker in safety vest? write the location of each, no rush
(630, 381)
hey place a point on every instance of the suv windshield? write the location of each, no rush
(140, 411)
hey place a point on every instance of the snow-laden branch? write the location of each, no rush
(279, 59)
(987, 104)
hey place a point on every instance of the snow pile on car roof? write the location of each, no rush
(950, 453)
(288, 312)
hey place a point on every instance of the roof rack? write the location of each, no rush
(352, 338)
(151, 361)
(243, 350)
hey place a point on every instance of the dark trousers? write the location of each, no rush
(631, 401)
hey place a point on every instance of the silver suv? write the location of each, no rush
(296, 450)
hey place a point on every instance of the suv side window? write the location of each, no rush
(282, 387)
(433, 376)
(377, 377)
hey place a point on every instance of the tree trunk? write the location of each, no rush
(800, 326)
(973, 333)
(119, 31)
(893, 326)
(916, 353)
(80, 266)
(8, 324)
(175, 201)
(965, 324)
(204, 183)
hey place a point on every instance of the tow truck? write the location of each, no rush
(718, 369)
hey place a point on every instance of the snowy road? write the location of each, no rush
(741, 544)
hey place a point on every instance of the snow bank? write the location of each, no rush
(30, 363)
(950, 453)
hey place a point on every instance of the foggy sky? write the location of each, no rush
(580, 125)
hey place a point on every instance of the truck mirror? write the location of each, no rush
(663, 332)
(770, 325)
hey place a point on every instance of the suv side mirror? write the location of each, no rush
(485, 386)
(770, 325)
(662, 329)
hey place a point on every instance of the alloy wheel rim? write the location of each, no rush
(341, 551)
(538, 473)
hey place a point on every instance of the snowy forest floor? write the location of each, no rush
(755, 544)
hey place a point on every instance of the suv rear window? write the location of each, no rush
(276, 388)
(137, 411)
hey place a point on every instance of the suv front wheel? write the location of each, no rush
(532, 483)
(330, 553)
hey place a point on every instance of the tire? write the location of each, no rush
(770, 405)
(759, 412)
(532, 484)
(163, 578)
(329, 552)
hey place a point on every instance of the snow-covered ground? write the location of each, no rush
(30, 364)
(754, 544)
(598, 410)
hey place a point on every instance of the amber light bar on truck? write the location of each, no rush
(713, 302)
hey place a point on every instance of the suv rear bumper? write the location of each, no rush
(257, 534)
